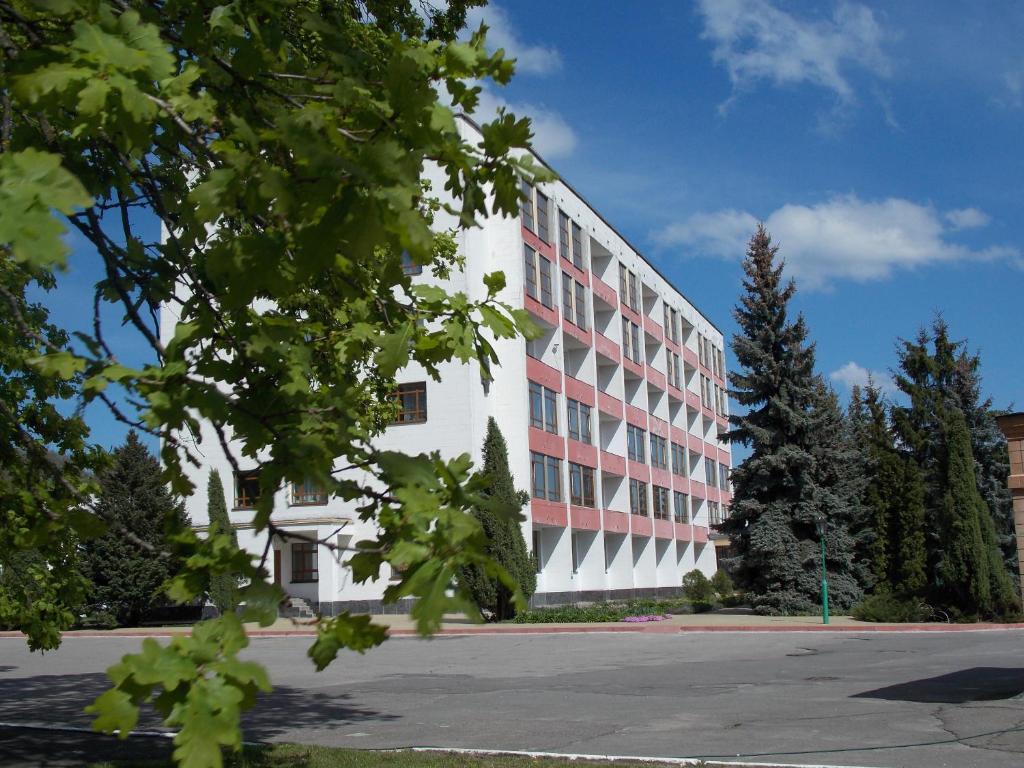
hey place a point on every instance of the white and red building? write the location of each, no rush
(612, 417)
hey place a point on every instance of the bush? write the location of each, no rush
(887, 607)
(698, 590)
(599, 612)
(722, 585)
(97, 619)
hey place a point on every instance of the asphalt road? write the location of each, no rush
(911, 700)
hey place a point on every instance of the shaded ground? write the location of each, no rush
(916, 700)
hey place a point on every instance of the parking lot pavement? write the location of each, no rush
(916, 700)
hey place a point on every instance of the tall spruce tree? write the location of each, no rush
(836, 493)
(966, 568)
(506, 544)
(223, 586)
(862, 529)
(776, 490)
(991, 459)
(894, 496)
(128, 565)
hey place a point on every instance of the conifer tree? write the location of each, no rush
(506, 544)
(991, 460)
(895, 498)
(776, 492)
(223, 586)
(862, 528)
(966, 568)
(836, 489)
(129, 564)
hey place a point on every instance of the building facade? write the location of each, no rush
(1012, 425)
(612, 418)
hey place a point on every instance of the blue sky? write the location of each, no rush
(881, 144)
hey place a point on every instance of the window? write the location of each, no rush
(711, 472)
(577, 245)
(536, 550)
(661, 509)
(705, 391)
(409, 267)
(635, 439)
(563, 236)
(700, 351)
(629, 289)
(694, 461)
(673, 369)
(538, 277)
(526, 206)
(546, 296)
(637, 497)
(581, 486)
(546, 474)
(631, 340)
(543, 210)
(678, 460)
(575, 546)
(723, 477)
(543, 408)
(680, 506)
(579, 421)
(715, 513)
(659, 452)
(674, 325)
(530, 268)
(412, 403)
(308, 492)
(304, 566)
(574, 301)
(247, 489)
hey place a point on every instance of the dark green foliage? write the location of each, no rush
(938, 430)
(698, 590)
(604, 612)
(130, 563)
(789, 477)
(991, 460)
(723, 586)
(970, 576)
(223, 586)
(889, 607)
(894, 497)
(45, 469)
(505, 537)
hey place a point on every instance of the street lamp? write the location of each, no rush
(821, 524)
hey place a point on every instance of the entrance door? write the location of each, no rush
(277, 567)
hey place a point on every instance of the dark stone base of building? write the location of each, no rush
(540, 600)
(551, 599)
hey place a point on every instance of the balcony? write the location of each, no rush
(663, 529)
(544, 512)
(690, 357)
(657, 378)
(613, 464)
(640, 525)
(607, 348)
(609, 405)
(684, 531)
(604, 292)
(653, 329)
(615, 522)
(547, 316)
(585, 518)
(692, 400)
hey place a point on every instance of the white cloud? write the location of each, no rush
(1014, 82)
(967, 218)
(530, 59)
(852, 374)
(842, 238)
(553, 137)
(755, 41)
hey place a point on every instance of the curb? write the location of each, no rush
(556, 629)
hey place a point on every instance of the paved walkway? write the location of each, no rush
(403, 625)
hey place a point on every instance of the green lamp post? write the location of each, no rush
(821, 524)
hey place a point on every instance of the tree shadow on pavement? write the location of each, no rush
(61, 699)
(975, 684)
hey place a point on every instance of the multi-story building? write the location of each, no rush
(1012, 425)
(612, 418)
